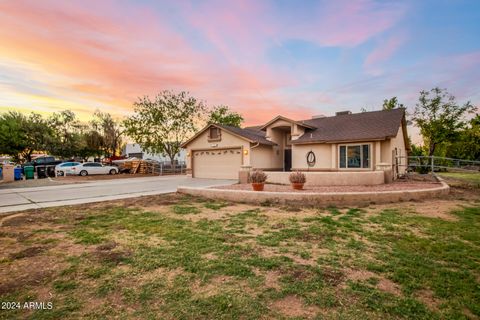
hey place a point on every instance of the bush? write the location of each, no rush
(258, 176)
(297, 177)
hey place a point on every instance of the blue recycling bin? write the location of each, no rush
(17, 173)
(1, 173)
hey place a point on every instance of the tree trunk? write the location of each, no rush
(431, 149)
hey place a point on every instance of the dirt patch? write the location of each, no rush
(293, 306)
(389, 286)
(28, 252)
(332, 277)
(433, 209)
(271, 279)
(107, 246)
(383, 284)
(27, 272)
(114, 257)
(428, 299)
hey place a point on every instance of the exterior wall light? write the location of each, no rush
(188, 154)
(245, 152)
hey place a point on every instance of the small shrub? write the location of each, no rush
(297, 177)
(258, 176)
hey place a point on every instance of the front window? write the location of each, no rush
(354, 156)
(214, 134)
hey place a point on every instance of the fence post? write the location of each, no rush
(431, 161)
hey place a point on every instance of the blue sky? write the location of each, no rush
(261, 58)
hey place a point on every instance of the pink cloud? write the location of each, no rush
(382, 53)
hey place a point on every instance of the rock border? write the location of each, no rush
(319, 198)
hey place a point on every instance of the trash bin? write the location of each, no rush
(17, 173)
(51, 171)
(29, 172)
(41, 172)
(1, 174)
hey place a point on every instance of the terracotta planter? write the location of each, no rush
(297, 186)
(258, 186)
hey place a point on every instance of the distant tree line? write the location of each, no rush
(159, 125)
(61, 134)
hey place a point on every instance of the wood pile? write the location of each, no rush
(140, 167)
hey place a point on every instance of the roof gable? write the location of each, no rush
(250, 135)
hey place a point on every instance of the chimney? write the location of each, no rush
(318, 116)
(342, 113)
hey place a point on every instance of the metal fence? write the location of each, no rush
(433, 163)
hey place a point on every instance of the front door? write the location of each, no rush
(287, 160)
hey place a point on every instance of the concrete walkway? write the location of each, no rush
(19, 199)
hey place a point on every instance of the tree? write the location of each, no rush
(467, 146)
(223, 115)
(162, 124)
(12, 133)
(38, 135)
(110, 132)
(389, 104)
(66, 133)
(439, 117)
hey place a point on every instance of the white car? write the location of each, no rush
(65, 168)
(84, 169)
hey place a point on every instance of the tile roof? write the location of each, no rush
(251, 133)
(375, 125)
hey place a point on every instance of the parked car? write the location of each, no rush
(65, 168)
(84, 169)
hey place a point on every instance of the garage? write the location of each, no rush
(217, 164)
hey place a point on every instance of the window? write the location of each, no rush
(214, 134)
(354, 156)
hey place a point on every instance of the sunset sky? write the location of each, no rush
(261, 58)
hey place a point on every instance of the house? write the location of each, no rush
(345, 142)
(135, 150)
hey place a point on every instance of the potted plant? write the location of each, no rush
(297, 179)
(258, 178)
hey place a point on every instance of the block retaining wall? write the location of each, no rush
(321, 199)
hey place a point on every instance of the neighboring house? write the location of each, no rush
(344, 142)
(135, 150)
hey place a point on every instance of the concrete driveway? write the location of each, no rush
(41, 197)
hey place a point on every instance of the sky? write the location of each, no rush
(261, 58)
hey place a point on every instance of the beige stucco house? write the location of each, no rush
(345, 142)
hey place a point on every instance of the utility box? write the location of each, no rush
(8, 173)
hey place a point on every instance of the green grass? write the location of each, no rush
(164, 264)
(470, 178)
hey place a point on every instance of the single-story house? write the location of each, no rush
(344, 142)
(135, 150)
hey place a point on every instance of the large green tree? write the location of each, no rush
(110, 130)
(161, 124)
(224, 115)
(439, 117)
(12, 133)
(67, 133)
(467, 145)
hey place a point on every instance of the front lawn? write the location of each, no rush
(469, 178)
(177, 257)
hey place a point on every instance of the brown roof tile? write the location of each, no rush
(251, 133)
(375, 125)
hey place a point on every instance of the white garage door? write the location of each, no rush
(217, 164)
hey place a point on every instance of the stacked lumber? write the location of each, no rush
(140, 167)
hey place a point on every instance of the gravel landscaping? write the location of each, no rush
(396, 186)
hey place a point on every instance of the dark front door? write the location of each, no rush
(287, 161)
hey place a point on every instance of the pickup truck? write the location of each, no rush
(45, 161)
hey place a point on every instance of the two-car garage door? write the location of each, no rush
(217, 164)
